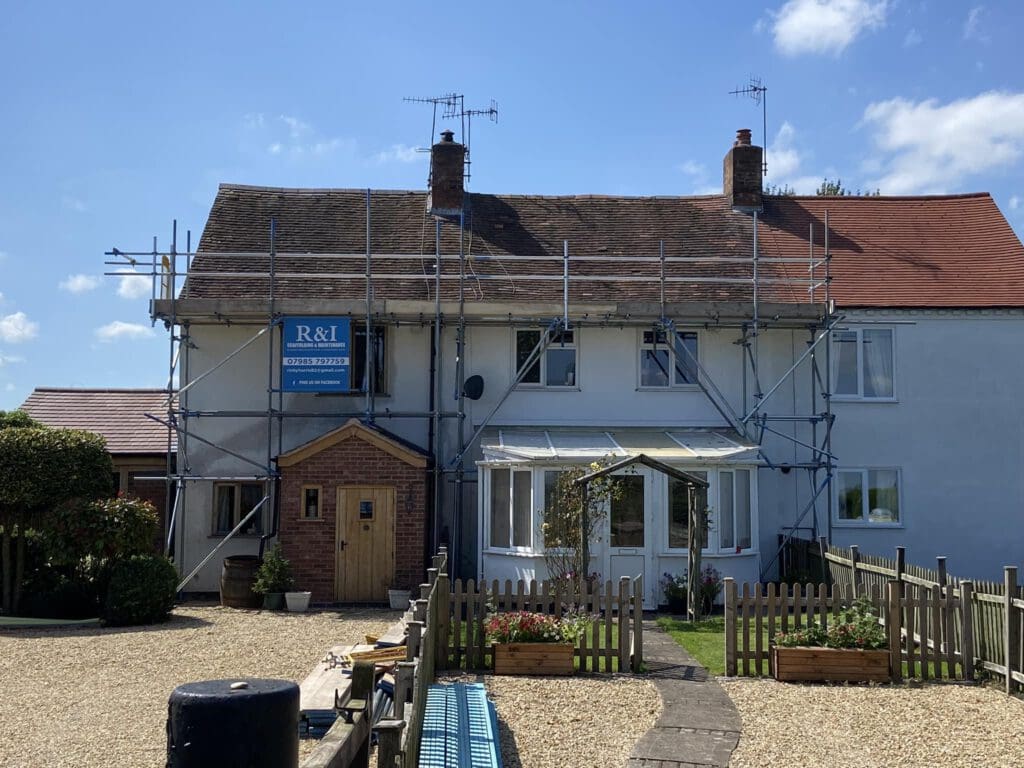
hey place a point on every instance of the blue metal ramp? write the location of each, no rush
(460, 728)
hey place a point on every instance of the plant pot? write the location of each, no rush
(399, 599)
(298, 602)
(533, 658)
(273, 601)
(831, 665)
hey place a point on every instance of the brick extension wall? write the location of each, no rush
(309, 544)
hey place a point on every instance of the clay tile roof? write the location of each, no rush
(949, 251)
(117, 414)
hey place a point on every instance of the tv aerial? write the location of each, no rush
(758, 92)
(453, 106)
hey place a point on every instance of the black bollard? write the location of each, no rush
(242, 723)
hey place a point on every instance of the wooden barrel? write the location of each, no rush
(236, 580)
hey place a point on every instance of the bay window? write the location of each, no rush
(511, 514)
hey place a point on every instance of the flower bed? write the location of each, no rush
(527, 643)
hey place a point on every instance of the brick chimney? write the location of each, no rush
(742, 173)
(446, 175)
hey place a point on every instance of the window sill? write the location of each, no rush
(855, 399)
(309, 519)
(547, 388)
(676, 388)
(862, 526)
(705, 553)
(513, 553)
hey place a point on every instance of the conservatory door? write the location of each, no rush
(630, 533)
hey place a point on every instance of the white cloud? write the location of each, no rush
(79, 283)
(290, 136)
(120, 330)
(275, 148)
(972, 26)
(786, 161)
(1015, 202)
(74, 204)
(824, 26)
(400, 153)
(10, 359)
(296, 127)
(133, 285)
(10, 387)
(912, 38)
(17, 328)
(693, 168)
(928, 147)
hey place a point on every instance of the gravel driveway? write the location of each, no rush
(549, 722)
(98, 697)
(926, 726)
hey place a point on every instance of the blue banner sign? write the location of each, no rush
(315, 354)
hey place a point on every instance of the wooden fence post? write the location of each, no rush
(638, 623)
(943, 579)
(1011, 635)
(901, 566)
(403, 686)
(389, 743)
(730, 626)
(967, 631)
(893, 626)
(414, 633)
(822, 551)
(623, 620)
(854, 559)
(444, 613)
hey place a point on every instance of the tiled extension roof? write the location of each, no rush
(117, 414)
(951, 251)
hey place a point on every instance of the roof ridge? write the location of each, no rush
(894, 198)
(118, 390)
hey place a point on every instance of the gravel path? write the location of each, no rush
(545, 722)
(855, 726)
(98, 697)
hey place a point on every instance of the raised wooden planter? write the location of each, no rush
(831, 665)
(533, 659)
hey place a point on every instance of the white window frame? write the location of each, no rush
(488, 516)
(714, 547)
(543, 361)
(859, 396)
(643, 346)
(709, 549)
(865, 520)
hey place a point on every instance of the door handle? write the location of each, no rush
(341, 545)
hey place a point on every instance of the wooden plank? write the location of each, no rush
(967, 629)
(520, 597)
(893, 622)
(758, 628)
(458, 604)
(784, 607)
(936, 631)
(584, 640)
(949, 605)
(623, 619)
(558, 599)
(638, 623)
(745, 628)
(444, 619)
(545, 597)
(910, 608)
(770, 610)
(533, 602)
(471, 624)
(1011, 629)
(922, 633)
(730, 627)
(608, 598)
(481, 635)
(596, 629)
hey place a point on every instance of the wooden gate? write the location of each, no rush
(364, 543)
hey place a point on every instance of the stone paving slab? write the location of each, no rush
(699, 726)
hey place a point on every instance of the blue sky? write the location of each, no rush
(119, 117)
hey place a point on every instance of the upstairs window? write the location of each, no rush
(511, 509)
(862, 364)
(664, 364)
(357, 379)
(556, 366)
(232, 502)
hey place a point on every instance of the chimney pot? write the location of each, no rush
(448, 137)
(742, 138)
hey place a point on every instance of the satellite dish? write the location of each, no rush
(473, 387)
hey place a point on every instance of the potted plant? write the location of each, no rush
(526, 643)
(853, 649)
(273, 579)
(674, 588)
(398, 599)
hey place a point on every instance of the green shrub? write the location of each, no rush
(274, 573)
(141, 591)
(118, 527)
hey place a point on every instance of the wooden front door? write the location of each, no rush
(365, 543)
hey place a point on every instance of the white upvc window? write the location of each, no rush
(232, 502)
(555, 367)
(511, 509)
(868, 497)
(663, 364)
(678, 518)
(734, 519)
(863, 364)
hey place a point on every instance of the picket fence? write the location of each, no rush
(614, 641)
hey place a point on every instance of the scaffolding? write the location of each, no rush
(751, 319)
